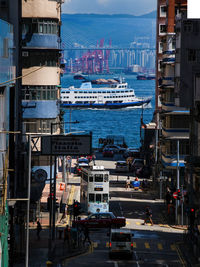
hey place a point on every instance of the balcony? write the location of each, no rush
(175, 133)
(41, 9)
(38, 40)
(40, 109)
(168, 81)
(170, 161)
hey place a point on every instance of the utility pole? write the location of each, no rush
(178, 181)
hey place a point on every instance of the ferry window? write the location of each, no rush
(105, 197)
(106, 178)
(98, 177)
(91, 197)
(98, 197)
(90, 178)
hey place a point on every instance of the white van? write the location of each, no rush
(121, 242)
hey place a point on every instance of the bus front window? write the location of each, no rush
(98, 197)
(91, 197)
(105, 197)
(98, 177)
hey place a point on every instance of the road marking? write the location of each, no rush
(136, 257)
(180, 256)
(173, 247)
(146, 245)
(160, 246)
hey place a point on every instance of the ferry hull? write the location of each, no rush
(106, 105)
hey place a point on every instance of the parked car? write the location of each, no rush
(116, 148)
(121, 166)
(101, 220)
(81, 162)
(131, 152)
(108, 152)
(121, 243)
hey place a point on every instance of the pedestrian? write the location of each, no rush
(86, 234)
(93, 159)
(168, 199)
(128, 183)
(39, 229)
(148, 214)
(63, 216)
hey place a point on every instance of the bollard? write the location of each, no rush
(49, 264)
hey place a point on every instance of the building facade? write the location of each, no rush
(6, 80)
(173, 119)
(41, 55)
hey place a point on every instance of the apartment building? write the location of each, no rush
(41, 55)
(6, 75)
(187, 90)
(173, 118)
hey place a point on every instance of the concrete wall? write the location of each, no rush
(48, 9)
(44, 76)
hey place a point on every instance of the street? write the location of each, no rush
(153, 245)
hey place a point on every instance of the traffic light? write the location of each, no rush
(192, 216)
(179, 195)
(76, 208)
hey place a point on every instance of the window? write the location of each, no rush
(162, 28)
(98, 197)
(48, 92)
(91, 178)
(98, 177)
(163, 10)
(5, 48)
(160, 47)
(188, 27)
(91, 197)
(192, 55)
(105, 197)
(42, 26)
(105, 216)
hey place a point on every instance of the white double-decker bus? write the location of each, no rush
(94, 189)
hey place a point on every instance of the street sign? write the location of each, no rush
(73, 145)
(175, 195)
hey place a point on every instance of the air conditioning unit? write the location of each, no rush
(24, 54)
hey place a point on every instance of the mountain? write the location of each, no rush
(84, 30)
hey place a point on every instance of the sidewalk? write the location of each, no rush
(38, 249)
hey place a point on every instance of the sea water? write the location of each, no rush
(125, 122)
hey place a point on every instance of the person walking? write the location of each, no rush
(86, 234)
(62, 217)
(148, 213)
(128, 183)
(93, 159)
(39, 229)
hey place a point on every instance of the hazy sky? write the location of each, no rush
(134, 7)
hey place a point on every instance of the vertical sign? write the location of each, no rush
(193, 7)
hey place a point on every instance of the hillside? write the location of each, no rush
(86, 29)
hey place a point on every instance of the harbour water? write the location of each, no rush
(125, 122)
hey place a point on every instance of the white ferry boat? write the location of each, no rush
(114, 96)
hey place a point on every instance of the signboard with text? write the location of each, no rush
(73, 145)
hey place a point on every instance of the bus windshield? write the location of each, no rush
(98, 177)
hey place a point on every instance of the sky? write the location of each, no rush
(133, 7)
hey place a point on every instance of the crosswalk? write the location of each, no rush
(141, 245)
